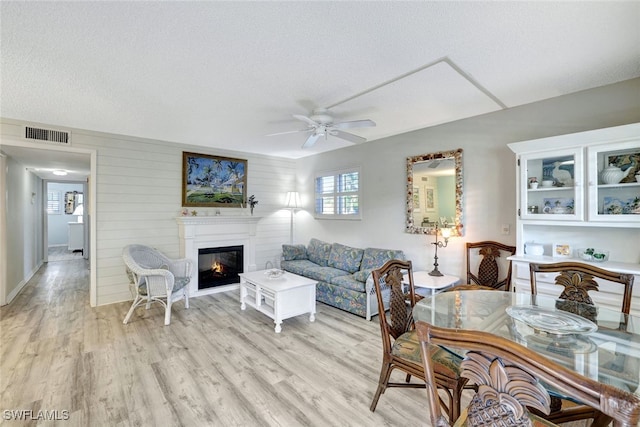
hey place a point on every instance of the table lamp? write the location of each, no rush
(446, 233)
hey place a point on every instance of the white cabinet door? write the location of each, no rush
(614, 191)
(552, 185)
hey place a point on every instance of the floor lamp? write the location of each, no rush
(292, 203)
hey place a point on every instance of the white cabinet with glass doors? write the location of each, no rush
(567, 178)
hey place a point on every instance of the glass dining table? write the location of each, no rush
(597, 342)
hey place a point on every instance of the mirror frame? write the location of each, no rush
(456, 155)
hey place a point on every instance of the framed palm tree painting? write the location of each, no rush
(213, 181)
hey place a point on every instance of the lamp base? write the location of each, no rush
(435, 272)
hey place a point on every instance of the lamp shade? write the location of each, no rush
(446, 232)
(79, 210)
(292, 200)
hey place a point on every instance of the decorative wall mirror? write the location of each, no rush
(434, 192)
(71, 201)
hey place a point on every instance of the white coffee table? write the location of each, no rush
(432, 284)
(287, 296)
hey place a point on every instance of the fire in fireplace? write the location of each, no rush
(219, 266)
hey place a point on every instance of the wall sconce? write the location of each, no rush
(292, 203)
(446, 233)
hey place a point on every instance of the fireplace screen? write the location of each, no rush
(219, 266)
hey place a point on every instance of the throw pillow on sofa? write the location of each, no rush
(294, 252)
(318, 252)
(345, 258)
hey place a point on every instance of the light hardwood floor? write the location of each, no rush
(215, 365)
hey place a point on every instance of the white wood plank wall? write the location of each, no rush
(139, 196)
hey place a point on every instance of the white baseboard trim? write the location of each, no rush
(14, 293)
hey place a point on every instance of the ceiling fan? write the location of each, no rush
(320, 123)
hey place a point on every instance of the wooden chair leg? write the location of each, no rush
(385, 373)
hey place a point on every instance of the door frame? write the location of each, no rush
(91, 188)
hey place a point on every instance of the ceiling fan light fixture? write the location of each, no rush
(321, 123)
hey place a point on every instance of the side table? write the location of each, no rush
(429, 285)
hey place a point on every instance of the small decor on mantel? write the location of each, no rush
(252, 202)
(187, 212)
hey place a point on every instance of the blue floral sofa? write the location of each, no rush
(343, 273)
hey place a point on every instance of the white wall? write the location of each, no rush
(139, 196)
(23, 215)
(489, 172)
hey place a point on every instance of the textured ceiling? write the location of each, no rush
(225, 74)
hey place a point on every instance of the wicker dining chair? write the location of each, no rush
(483, 267)
(509, 377)
(578, 280)
(156, 278)
(400, 346)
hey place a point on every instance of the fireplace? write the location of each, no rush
(219, 266)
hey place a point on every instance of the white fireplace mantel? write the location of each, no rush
(213, 231)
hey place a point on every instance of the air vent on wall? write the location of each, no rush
(47, 135)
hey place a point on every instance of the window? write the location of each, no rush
(337, 194)
(53, 202)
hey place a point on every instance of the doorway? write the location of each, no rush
(64, 230)
(38, 159)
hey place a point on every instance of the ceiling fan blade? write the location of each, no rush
(311, 140)
(305, 119)
(355, 124)
(291, 131)
(348, 136)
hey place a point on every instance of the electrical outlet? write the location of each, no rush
(506, 229)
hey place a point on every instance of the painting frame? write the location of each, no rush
(213, 181)
(561, 250)
(429, 199)
(416, 199)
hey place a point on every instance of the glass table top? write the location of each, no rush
(605, 346)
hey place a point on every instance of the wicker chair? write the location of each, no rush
(577, 279)
(483, 255)
(400, 346)
(508, 377)
(155, 278)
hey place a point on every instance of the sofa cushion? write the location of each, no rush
(349, 282)
(318, 252)
(324, 274)
(298, 266)
(362, 275)
(376, 258)
(294, 252)
(345, 257)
